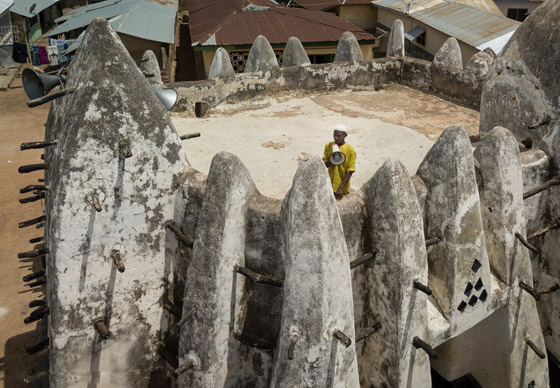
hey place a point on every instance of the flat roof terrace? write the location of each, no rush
(271, 135)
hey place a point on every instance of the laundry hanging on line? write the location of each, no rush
(52, 54)
(62, 45)
(43, 55)
(19, 53)
(35, 60)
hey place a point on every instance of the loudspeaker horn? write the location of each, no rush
(168, 97)
(337, 157)
(38, 85)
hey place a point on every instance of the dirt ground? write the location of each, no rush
(272, 135)
(18, 124)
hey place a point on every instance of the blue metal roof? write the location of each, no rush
(147, 20)
(30, 8)
(139, 18)
(86, 8)
(4, 5)
(414, 33)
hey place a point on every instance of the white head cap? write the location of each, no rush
(341, 127)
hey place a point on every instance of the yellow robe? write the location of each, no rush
(337, 173)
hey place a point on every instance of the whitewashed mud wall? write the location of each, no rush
(397, 326)
(405, 275)
(349, 71)
(113, 179)
(522, 93)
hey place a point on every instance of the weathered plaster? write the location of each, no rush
(317, 288)
(112, 102)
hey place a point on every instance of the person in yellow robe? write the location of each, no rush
(340, 175)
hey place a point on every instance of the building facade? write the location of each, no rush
(428, 24)
(519, 9)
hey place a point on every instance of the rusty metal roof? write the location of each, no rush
(244, 22)
(206, 15)
(475, 27)
(322, 5)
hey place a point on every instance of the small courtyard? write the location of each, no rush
(271, 135)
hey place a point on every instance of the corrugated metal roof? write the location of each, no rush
(106, 9)
(414, 33)
(316, 5)
(147, 20)
(139, 18)
(473, 26)
(30, 8)
(321, 5)
(206, 15)
(276, 23)
(485, 5)
(87, 8)
(416, 5)
(4, 5)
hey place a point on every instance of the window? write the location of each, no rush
(518, 14)
(317, 58)
(239, 59)
(421, 39)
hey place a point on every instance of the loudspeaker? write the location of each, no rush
(38, 85)
(337, 157)
(168, 97)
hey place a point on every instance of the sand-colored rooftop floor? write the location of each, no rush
(271, 135)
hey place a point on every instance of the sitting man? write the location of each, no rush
(340, 175)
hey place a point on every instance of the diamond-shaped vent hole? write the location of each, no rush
(468, 290)
(473, 301)
(478, 285)
(483, 296)
(476, 265)
(462, 306)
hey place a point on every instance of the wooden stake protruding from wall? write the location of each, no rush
(187, 316)
(124, 147)
(178, 232)
(48, 97)
(117, 259)
(189, 136)
(418, 343)
(342, 338)
(32, 221)
(422, 287)
(32, 167)
(29, 188)
(34, 253)
(364, 259)
(34, 198)
(101, 328)
(189, 364)
(36, 315)
(37, 145)
(291, 348)
(535, 349)
(96, 203)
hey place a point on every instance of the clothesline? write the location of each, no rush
(52, 54)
